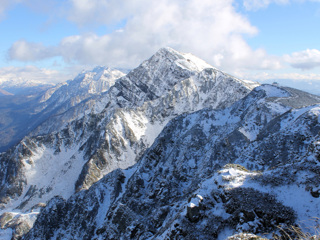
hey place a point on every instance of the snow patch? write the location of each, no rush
(251, 135)
(48, 175)
(233, 178)
(195, 201)
(273, 91)
(295, 114)
(197, 63)
(104, 207)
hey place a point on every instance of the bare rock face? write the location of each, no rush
(5, 218)
(17, 224)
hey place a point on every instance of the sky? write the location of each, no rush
(260, 40)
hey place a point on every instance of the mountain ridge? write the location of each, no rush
(243, 191)
(19, 111)
(167, 126)
(96, 143)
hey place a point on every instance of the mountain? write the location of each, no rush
(174, 149)
(23, 87)
(20, 111)
(311, 86)
(208, 175)
(111, 130)
(86, 85)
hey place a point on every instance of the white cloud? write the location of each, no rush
(257, 4)
(212, 30)
(273, 76)
(5, 4)
(309, 82)
(33, 74)
(306, 82)
(83, 12)
(307, 59)
(24, 51)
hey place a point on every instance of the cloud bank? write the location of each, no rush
(253, 5)
(5, 5)
(31, 74)
(213, 30)
(305, 60)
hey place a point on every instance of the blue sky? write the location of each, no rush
(287, 28)
(263, 40)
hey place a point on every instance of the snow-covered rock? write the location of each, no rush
(113, 129)
(226, 140)
(245, 184)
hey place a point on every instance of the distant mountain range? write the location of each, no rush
(174, 149)
(21, 113)
(23, 87)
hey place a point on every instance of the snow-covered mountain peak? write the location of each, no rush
(99, 80)
(99, 69)
(113, 129)
(161, 72)
(187, 62)
(184, 60)
(165, 51)
(99, 73)
(214, 132)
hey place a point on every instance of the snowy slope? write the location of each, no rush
(109, 123)
(208, 175)
(112, 129)
(64, 96)
(86, 84)
(125, 120)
